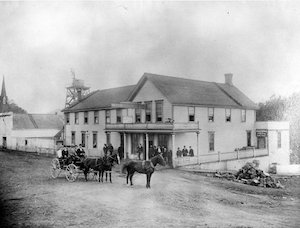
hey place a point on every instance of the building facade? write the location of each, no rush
(216, 120)
(41, 133)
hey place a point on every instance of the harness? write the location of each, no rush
(144, 163)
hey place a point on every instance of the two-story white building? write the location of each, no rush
(215, 119)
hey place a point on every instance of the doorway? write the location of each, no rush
(4, 143)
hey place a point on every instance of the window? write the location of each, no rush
(26, 142)
(119, 115)
(95, 139)
(76, 118)
(278, 139)
(83, 134)
(159, 111)
(211, 140)
(191, 111)
(210, 114)
(96, 117)
(86, 117)
(243, 112)
(227, 115)
(137, 115)
(248, 138)
(107, 116)
(73, 138)
(148, 111)
(261, 142)
(67, 118)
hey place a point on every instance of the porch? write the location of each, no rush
(221, 156)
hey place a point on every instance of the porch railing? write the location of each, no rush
(221, 156)
(152, 126)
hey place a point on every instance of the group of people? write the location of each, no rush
(65, 152)
(185, 152)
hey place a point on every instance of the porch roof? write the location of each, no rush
(153, 127)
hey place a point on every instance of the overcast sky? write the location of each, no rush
(110, 44)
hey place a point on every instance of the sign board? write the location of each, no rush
(262, 133)
(127, 119)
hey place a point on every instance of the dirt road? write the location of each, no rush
(176, 199)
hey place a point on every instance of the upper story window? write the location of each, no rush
(138, 115)
(148, 110)
(119, 115)
(107, 116)
(159, 110)
(211, 141)
(86, 118)
(278, 139)
(211, 116)
(96, 117)
(67, 118)
(227, 115)
(191, 111)
(243, 113)
(76, 118)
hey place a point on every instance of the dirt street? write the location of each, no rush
(30, 198)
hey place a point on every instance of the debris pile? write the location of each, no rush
(251, 175)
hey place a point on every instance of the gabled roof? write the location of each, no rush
(37, 121)
(102, 99)
(194, 92)
(178, 91)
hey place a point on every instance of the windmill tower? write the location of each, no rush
(76, 91)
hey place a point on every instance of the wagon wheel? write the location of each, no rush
(71, 172)
(55, 168)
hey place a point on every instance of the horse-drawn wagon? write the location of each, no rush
(72, 165)
(67, 162)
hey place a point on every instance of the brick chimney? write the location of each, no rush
(228, 78)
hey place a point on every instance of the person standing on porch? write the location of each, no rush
(178, 153)
(191, 152)
(105, 149)
(151, 152)
(139, 150)
(184, 151)
(121, 152)
(110, 149)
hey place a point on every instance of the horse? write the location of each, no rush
(146, 167)
(107, 167)
(99, 164)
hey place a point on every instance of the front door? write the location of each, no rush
(4, 142)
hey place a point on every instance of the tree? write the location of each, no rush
(284, 109)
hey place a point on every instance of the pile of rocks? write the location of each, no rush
(251, 175)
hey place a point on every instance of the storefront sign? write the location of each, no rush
(261, 133)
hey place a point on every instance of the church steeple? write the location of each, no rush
(3, 93)
(4, 107)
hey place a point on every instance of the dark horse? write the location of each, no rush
(100, 165)
(146, 167)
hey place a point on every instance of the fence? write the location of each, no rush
(34, 149)
(221, 156)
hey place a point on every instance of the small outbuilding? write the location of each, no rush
(41, 133)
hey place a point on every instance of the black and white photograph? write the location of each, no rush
(150, 114)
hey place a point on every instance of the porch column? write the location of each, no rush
(147, 147)
(173, 150)
(125, 146)
(107, 137)
(198, 149)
